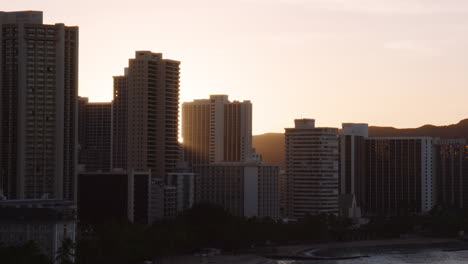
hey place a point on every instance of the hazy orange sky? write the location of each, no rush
(400, 63)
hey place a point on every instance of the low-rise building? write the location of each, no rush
(163, 200)
(105, 197)
(247, 189)
(184, 183)
(47, 222)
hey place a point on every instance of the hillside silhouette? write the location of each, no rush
(271, 145)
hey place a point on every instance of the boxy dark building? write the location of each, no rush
(399, 176)
(452, 173)
(105, 197)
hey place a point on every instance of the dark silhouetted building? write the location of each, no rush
(47, 222)
(120, 122)
(451, 173)
(385, 175)
(117, 196)
(163, 200)
(38, 106)
(146, 113)
(282, 193)
(185, 184)
(94, 135)
(399, 176)
(352, 168)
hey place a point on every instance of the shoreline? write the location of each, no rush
(300, 249)
(317, 251)
(220, 259)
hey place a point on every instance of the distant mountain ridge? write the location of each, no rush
(271, 145)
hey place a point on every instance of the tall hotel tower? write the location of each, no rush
(216, 130)
(38, 95)
(311, 169)
(145, 115)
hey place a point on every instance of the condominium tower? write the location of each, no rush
(146, 113)
(311, 169)
(216, 130)
(38, 94)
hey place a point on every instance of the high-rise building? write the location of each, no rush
(312, 168)
(120, 122)
(21, 17)
(398, 176)
(282, 193)
(268, 194)
(451, 173)
(353, 160)
(216, 130)
(38, 95)
(94, 135)
(145, 116)
(386, 175)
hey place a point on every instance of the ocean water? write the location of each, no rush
(435, 257)
(392, 255)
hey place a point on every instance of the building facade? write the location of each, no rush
(312, 169)
(116, 196)
(268, 191)
(283, 193)
(120, 122)
(247, 189)
(45, 221)
(352, 164)
(94, 135)
(216, 130)
(146, 113)
(163, 200)
(186, 184)
(399, 176)
(38, 95)
(451, 173)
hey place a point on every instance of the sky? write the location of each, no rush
(400, 63)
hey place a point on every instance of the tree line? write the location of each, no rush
(210, 226)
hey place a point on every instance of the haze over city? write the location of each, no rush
(394, 63)
(96, 98)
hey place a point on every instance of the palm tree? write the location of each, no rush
(66, 252)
